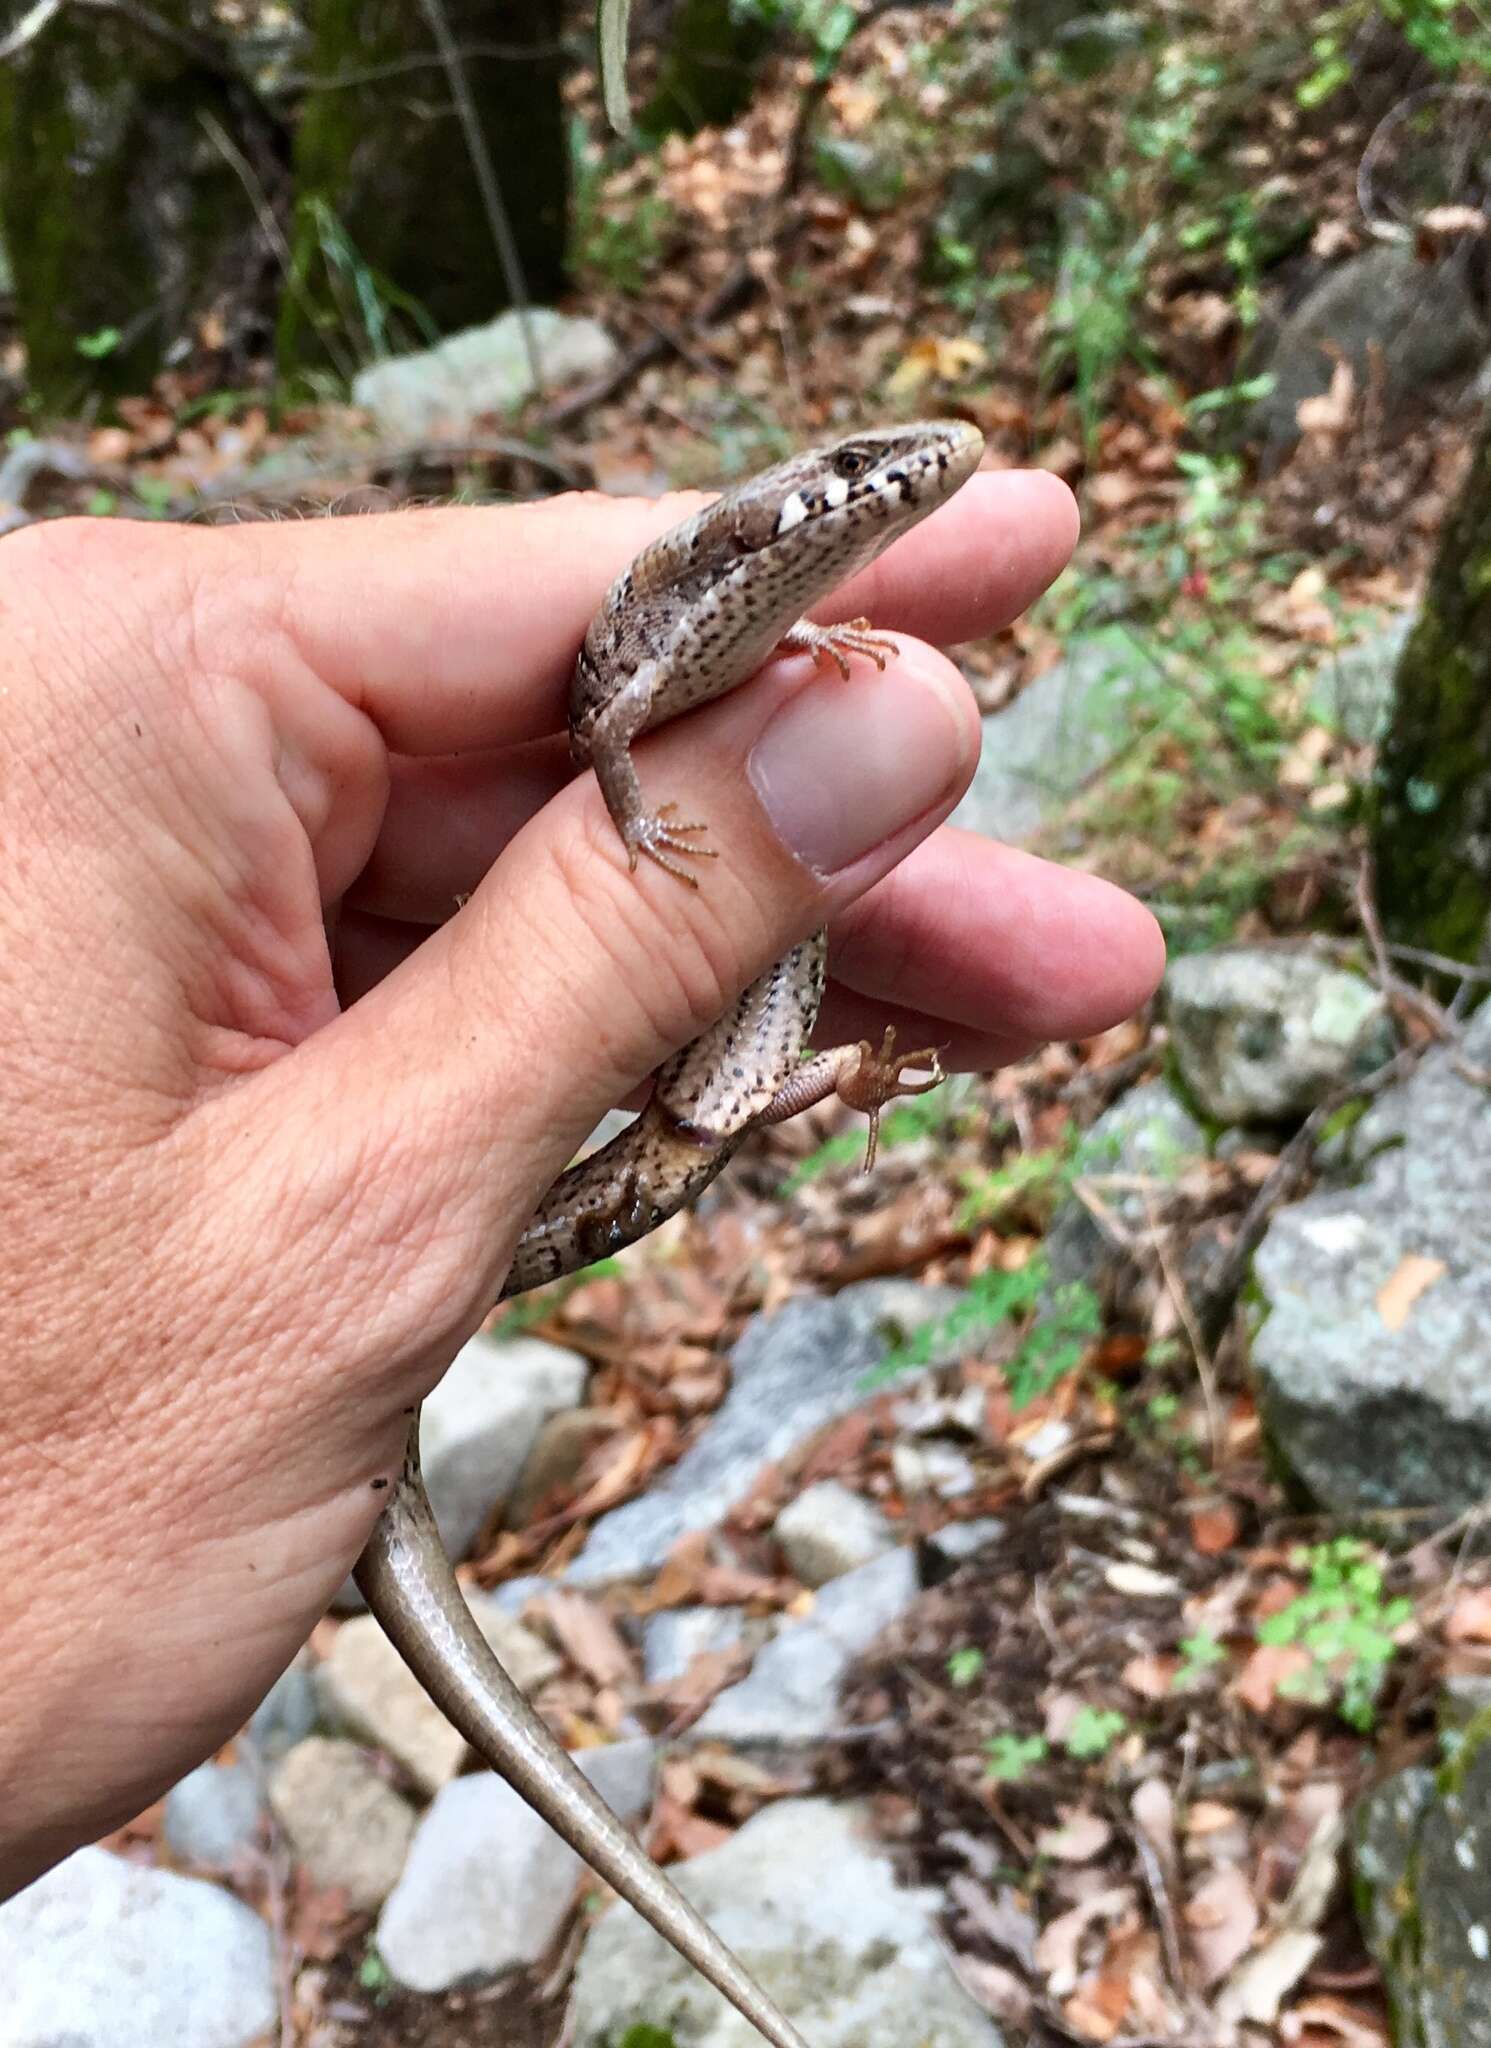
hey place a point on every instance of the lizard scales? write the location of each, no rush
(695, 615)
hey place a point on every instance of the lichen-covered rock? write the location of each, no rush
(1371, 1359)
(808, 1901)
(1423, 1868)
(1261, 1034)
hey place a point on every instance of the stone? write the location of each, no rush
(828, 1530)
(212, 1815)
(791, 1693)
(936, 1468)
(478, 1427)
(368, 1689)
(345, 1823)
(672, 1640)
(561, 1447)
(1352, 689)
(1422, 1854)
(287, 1713)
(809, 1902)
(790, 1372)
(1403, 326)
(1375, 1398)
(1146, 1134)
(445, 391)
(1063, 729)
(101, 1953)
(1260, 1034)
(956, 1542)
(487, 1884)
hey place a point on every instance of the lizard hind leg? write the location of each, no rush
(861, 1078)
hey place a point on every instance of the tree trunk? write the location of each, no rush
(128, 229)
(390, 222)
(1431, 809)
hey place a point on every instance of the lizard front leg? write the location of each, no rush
(605, 741)
(837, 643)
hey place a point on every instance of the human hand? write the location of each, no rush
(260, 1185)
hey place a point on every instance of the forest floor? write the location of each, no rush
(1011, 1705)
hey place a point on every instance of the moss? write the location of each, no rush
(1431, 804)
(384, 168)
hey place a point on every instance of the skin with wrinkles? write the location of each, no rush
(694, 616)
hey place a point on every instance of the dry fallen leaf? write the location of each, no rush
(1081, 1836)
(1257, 1684)
(1222, 1916)
(1414, 1275)
(1470, 1617)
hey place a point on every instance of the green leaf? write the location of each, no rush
(99, 344)
(612, 19)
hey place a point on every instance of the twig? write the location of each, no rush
(419, 60)
(29, 27)
(498, 219)
(1206, 1365)
(735, 290)
(1396, 231)
(271, 230)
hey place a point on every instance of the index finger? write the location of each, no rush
(458, 627)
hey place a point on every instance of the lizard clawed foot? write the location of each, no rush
(837, 643)
(660, 836)
(875, 1080)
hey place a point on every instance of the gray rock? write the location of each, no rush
(1422, 1848)
(1463, 1698)
(1147, 1133)
(286, 1714)
(791, 1694)
(559, 1450)
(790, 1372)
(672, 1640)
(958, 1541)
(346, 1825)
(487, 1883)
(1403, 324)
(807, 1900)
(1384, 1406)
(445, 391)
(936, 1468)
(479, 1425)
(212, 1815)
(828, 1530)
(100, 1953)
(1060, 732)
(1352, 691)
(367, 1688)
(1261, 1034)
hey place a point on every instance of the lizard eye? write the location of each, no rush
(851, 462)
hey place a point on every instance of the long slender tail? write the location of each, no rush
(409, 1585)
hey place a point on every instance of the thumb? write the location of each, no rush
(463, 1082)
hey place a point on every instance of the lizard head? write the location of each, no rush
(882, 480)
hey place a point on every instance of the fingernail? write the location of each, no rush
(844, 765)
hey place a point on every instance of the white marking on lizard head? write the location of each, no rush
(794, 511)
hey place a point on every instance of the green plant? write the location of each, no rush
(103, 342)
(1092, 326)
(964, 1666)
(620, 240)
(1093, 1732)
(1199, 1652)
(1050, 1348)
(1347, 1626)
(919, 1116)
(373, 1974)
(1010, 1757)
(641, 2034)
